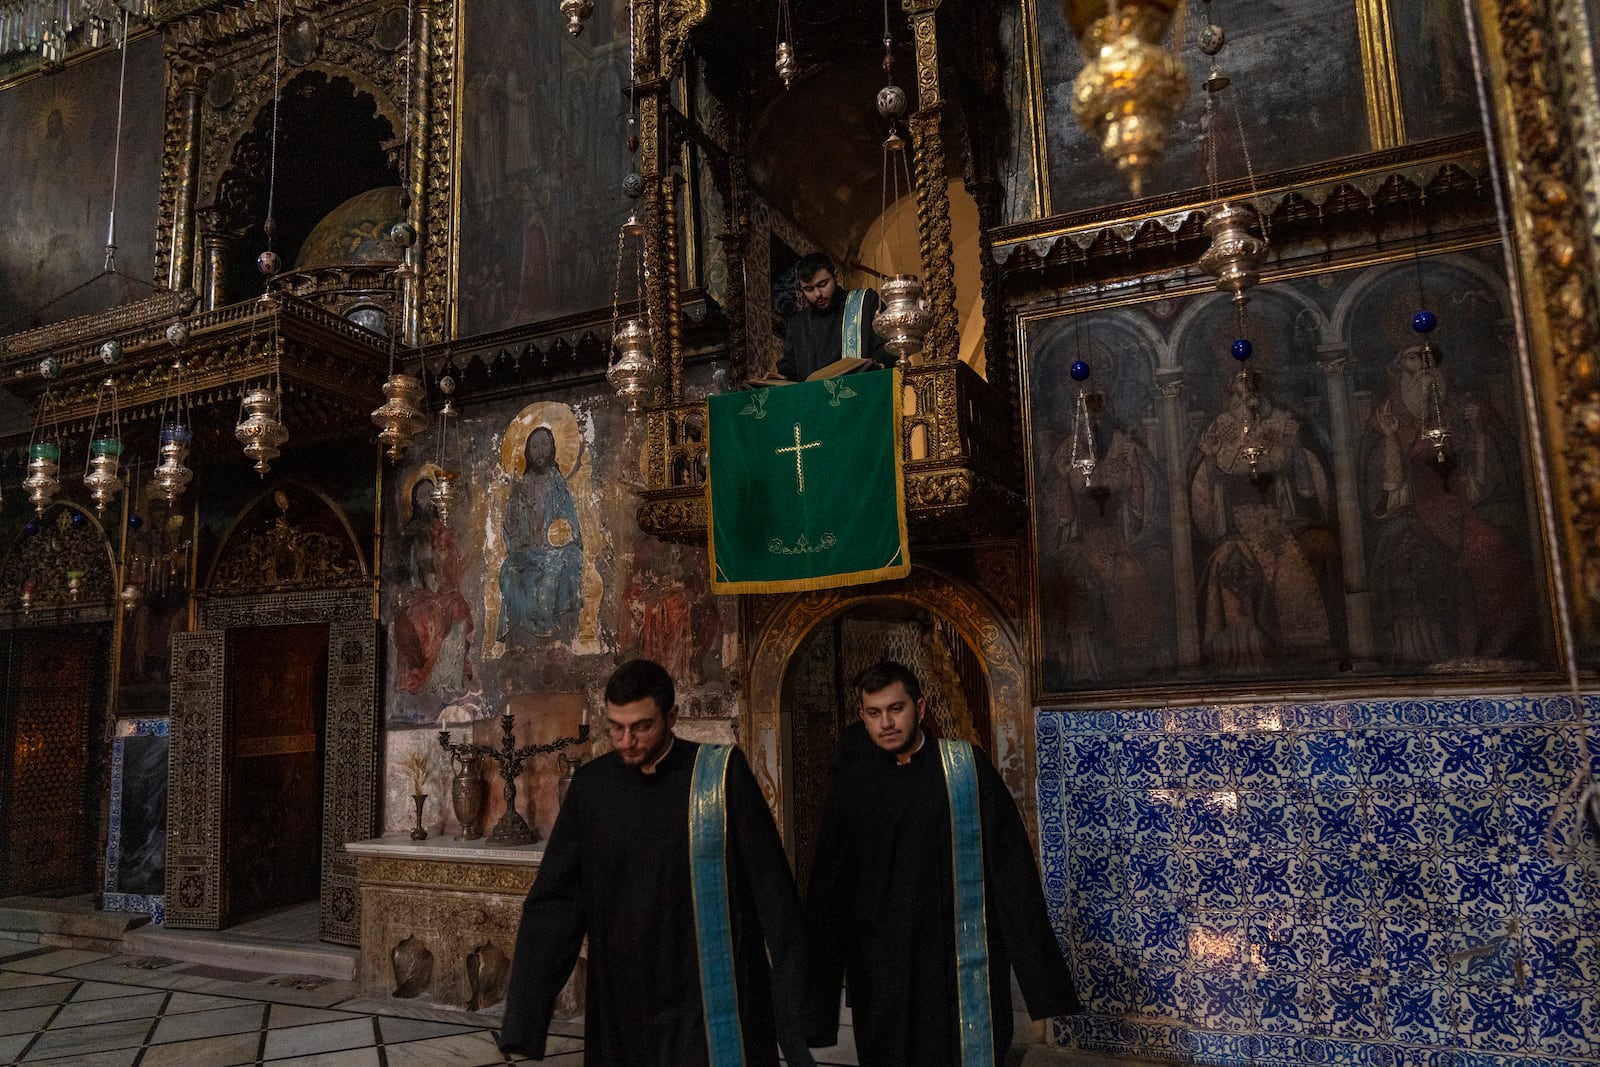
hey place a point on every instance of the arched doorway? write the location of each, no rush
(956, 614)
(818, 702)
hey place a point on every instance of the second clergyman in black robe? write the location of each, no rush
(617, 869)
(881, 908)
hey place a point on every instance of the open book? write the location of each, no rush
(847, 365)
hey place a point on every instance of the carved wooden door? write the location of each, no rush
(53, 691)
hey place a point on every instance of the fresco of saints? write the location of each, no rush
(1447, 578)
(1260, 594)
(541, 589)
(1109, 540)
(432, 622)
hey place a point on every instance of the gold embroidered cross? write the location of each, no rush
(799, 454)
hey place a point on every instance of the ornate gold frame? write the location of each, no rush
(1538, 115)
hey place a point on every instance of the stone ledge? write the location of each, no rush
(71, 922)
(228, 948)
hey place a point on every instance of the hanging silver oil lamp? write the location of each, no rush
(400, 417)
(44, 463)
(786, 65)
(171, 476)
(446, 492)
(260, 431)
(577, 11)
(632, 373)
(902, 320)
(104, 479)
(1236, 254)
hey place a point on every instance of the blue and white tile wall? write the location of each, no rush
(1395, 883)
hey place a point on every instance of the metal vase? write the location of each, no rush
(467, 794)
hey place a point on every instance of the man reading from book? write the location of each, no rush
(832, 332)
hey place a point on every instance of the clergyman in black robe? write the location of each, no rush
(815, 336)
(617, 869)
(881, 899)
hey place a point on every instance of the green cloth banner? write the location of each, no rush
(807, 489)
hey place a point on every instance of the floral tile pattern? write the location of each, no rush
(1402, 883)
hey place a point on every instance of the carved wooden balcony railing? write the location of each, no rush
(331, 370)
(962, 477)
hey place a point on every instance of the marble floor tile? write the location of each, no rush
(16, 979)
(225, 1051)
(12, 1045)
(396, 1031)
(116, 1009)
(319, 1038)
(282, 1016)
(124, 1057)
(25, 1020)
(566, 1059)
(103, 991)
(51, 962)
(462, 1050)
(187, 1002)
(197, 1024)
(34, 995)
(86, 1040)
(362, 1057)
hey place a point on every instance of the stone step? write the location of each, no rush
(237, 951)
(70, 922)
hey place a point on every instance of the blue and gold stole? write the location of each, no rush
(850, 328)
(972, 928)
(713, 926)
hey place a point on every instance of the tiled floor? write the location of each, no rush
(65, 1007)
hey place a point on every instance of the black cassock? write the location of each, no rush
(881, 909)
(813, 339)
(616, 868)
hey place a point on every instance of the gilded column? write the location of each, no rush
(180, 269)
(1169, 384)
(417, 171)
(1334, 358)
(213, 253)
(943, 342)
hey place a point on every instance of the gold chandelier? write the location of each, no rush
(1131, 85)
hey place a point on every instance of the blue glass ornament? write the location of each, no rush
(1079, 371)
(134, 522)
(31, 528)
(1424, 321)
(1242, 349)
(79, 520)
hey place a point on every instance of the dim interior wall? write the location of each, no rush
(1386, 881)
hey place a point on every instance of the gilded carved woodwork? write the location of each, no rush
(1444, 186)
(233, 48)
(60, 566)
(1524, 43)
(285, 557)
(937, 251)
(330, 367)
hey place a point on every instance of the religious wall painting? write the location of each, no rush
(1106, 536)
(432, 623)
(543, 544)
(542, 130)
(1450, 532)
(135, 861)
(558, 582)
(1287, 518)
(1433, 62)
(1274, 89)
(56, 189)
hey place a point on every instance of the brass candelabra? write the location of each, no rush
(512, 829)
